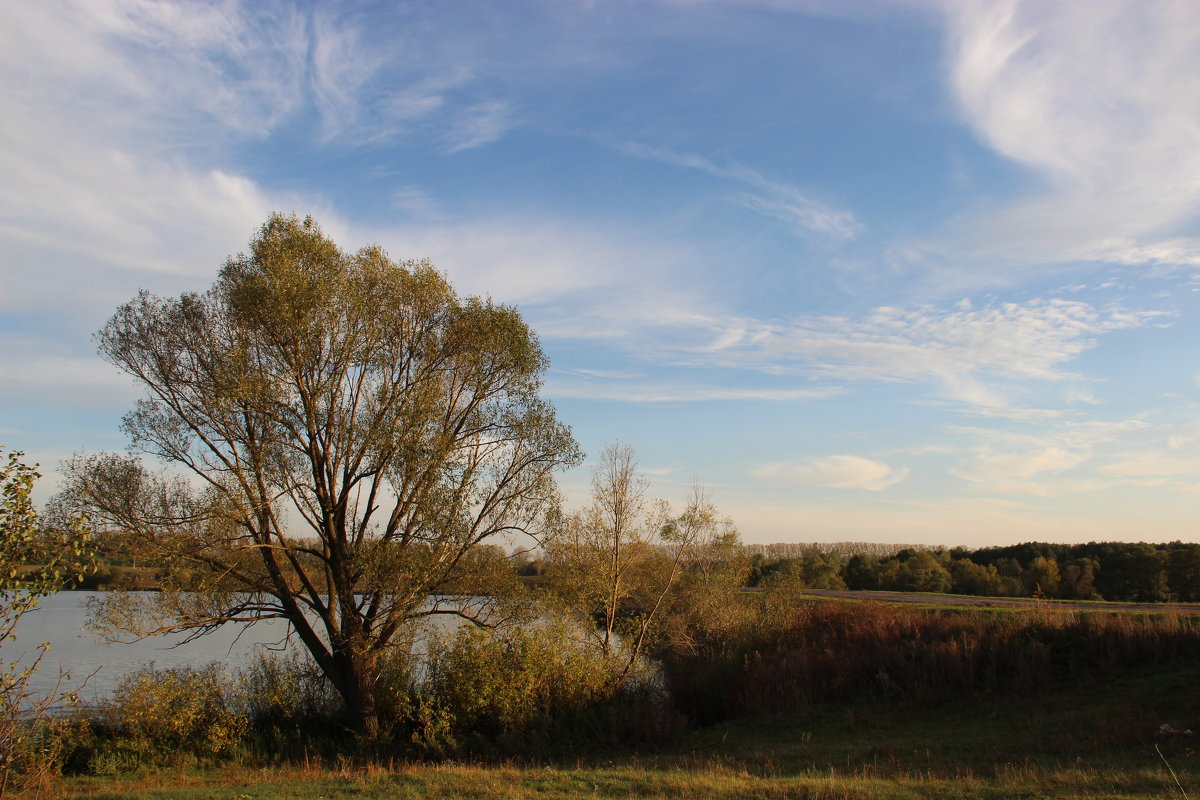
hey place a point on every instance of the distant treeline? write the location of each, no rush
(1117, 571)
(1094, 571)
(780, 551)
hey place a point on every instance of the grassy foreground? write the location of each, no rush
(1093, 741)
(631, 781)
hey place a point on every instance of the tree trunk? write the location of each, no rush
(358, 690)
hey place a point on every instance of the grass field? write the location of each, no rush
(635, 782)
(965, 601)
(1095, 741)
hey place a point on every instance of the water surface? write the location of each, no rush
(89, 663)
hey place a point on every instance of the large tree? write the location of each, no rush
(343, 435)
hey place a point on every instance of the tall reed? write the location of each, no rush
(783, 661)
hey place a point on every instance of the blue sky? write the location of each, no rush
(892, 271)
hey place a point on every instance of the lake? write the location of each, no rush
(61, 619)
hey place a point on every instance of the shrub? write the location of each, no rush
(162, 716)
(540, 686)
(288, 702)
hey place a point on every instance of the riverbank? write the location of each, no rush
(1095, 739)
(788, 698)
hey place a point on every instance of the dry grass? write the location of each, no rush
(825, 651)
(1094, 741)
(714, 781)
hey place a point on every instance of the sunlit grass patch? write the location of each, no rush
(453, 782)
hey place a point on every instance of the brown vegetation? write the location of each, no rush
(784, 660)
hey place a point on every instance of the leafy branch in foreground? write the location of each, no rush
(35, 561)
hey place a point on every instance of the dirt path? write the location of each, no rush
(1001, 602)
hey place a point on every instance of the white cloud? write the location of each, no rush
(781, 201)
(479, 124)
(965, 351)
(679, 392)
(197, 70)
(1077, 395)
(561, 273)
(1150, 464)
(342, 64)
(119, 116)
(835, 472)
(986, 359)
(38, 370)
(1093, 98)
(610, 374)
(1070, 457)
(112, 110)
(925, 450)
(415, 202)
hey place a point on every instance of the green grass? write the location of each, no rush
(1112, 723)
(633, 781)
(973, 602)
(1094, 741)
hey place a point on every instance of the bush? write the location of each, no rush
(159, 717)
(290, 705)
(538, 687)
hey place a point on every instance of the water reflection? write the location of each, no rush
(61, 620)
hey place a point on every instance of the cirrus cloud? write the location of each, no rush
(834, 472)
(1089, 97)
(981, 358)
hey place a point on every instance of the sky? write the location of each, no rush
(911, 271)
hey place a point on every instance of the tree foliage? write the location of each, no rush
(1117, 571)
(626, 563)
(342, 434)
(35, 561)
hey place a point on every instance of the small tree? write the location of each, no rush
(622, 559)
(344, 433)
(1042, 578)
(603, 560)
(922, 572)
(967, 577)
(34, 562)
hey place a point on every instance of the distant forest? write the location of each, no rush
(1118, 571)
(1094, 571)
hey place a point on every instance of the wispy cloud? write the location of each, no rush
(1088, 96)
(341, 67)
(120, 117)
(781, 201)
(1066, 457)
(834, 472)
(574, 279)
(972, 355)
(415, 202)
(604, 374)
(38, 367)
(113, 111)
(1151, 464)
(626, 391)
(479, 124)
(198, 70)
